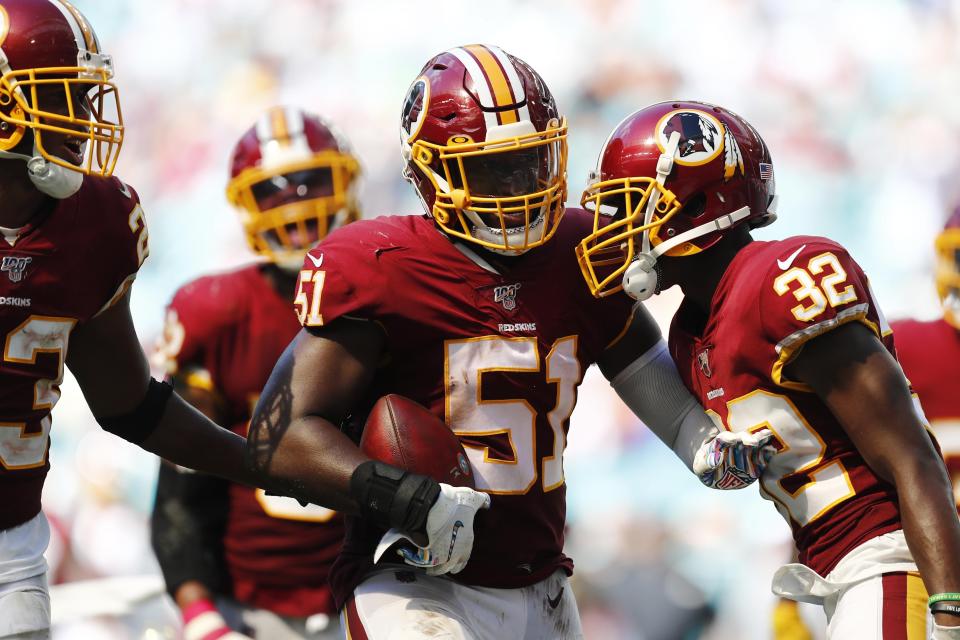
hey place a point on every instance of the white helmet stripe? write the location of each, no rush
(480, 82)
(295, 126)
(264, 128)
(516, 86)
(74, 24)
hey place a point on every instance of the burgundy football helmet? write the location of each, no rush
(671, 179)
(486, 148)
(293, 179)
(948, 268)
(55, 81)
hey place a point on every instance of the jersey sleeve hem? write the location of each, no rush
(118, 294)
(788, 348)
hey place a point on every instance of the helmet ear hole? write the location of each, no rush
(694, 206)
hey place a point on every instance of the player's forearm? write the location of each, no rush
(212, 449)
(309, 459)
(930, 522)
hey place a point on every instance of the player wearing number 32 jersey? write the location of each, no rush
(785, 336)
(475, 312)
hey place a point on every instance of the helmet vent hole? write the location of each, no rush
(439, 67)
(448, 117)
(695, 206)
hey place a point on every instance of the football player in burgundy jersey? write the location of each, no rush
(470, 311)
(787, 336)
(929, 352)
(226, 548)
(73, 238)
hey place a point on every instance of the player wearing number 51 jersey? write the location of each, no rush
(474, 311)
(786, 336)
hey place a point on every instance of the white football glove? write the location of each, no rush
(449, 532)
(733, 460)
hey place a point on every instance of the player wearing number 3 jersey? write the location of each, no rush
(72, 238)
(787, 336)
(474, 311)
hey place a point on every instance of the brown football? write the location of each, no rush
(403, 433)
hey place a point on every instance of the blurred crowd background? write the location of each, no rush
(856, 99)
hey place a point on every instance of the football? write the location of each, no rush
(403, 433)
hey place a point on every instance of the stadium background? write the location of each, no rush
(855, 99)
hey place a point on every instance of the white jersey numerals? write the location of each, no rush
(286, 508)
(36, 335)
(138, 225)
(813, 298)
(797, 479)
(470, 412)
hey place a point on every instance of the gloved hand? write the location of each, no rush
(449, 532)
(733, 460)
(202, 621)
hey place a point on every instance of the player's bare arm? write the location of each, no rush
(294, 433)
(865, 389)
(295, 441)
(106, 358)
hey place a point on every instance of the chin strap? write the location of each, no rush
(52, 179)
(640, 278)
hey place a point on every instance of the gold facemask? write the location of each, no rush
(466, 205)
(81, 102)
(278, 233)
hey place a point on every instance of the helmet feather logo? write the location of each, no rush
(701, 135)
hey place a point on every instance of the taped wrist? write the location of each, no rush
(137, 425)
(392, 497)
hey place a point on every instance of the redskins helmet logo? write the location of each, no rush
(701, 135)
(415, 109)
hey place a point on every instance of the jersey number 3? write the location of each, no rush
(23, 445)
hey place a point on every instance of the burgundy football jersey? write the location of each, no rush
(71, 262)
(773, 298)
(929, 353)
(229, 329)
(498, 357)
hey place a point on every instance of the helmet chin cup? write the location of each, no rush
(640, 278)
(459, 199)
(52, 179)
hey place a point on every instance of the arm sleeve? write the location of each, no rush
(187, 527)
(824, 288)
(652, 388)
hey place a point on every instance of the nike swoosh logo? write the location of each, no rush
(315, 260)
(553, 602)
(785, 264)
